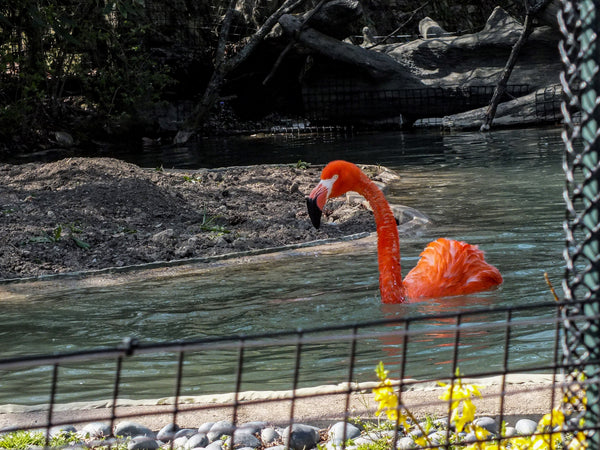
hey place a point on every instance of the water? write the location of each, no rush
(501, 190)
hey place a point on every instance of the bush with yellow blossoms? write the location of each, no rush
(551, 433)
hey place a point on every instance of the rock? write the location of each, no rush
(162, 237)
(269, 435)
(437, 437)
(342, 431)
(222, 428)
(300, 437)
(252, 427)
(185, 432)
(429, 28)
(184, 251)
(132, 429)
(63, 139)
(510, 432)
(470, 438)
(179, 442)
(142, 442)
(525, 427)
(487, 423)
(217, 445)
(95, 430)
(197, 440)
(205, 427)
(245, 439)
(406, 443)
(62, 429)
(167, 433)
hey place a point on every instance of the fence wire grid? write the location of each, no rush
(566, 378)
(346, 398)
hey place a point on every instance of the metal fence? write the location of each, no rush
(571, 364)
(344, 398)
(338, 102)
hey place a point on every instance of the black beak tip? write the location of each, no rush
(314, 212)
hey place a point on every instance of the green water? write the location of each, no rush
(501, 190)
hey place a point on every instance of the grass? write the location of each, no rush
(209, 224)
(57, 234)
(31, 439)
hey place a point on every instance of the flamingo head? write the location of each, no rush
(337, 178)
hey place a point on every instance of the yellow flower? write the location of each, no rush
(460, 393)
(467, 416)
(579, 442)
(551, 420)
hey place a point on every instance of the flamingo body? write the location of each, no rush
(446, 268)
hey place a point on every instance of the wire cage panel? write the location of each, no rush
(347, 101)
(176, 387)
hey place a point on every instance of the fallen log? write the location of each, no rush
(541, 106)
(377, 65)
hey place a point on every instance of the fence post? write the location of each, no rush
(580, 52)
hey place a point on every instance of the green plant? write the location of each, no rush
(208, 224)
(57, 234)
(190, 179)
(302, 165)
(27, 439)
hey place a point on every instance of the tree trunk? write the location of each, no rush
(510, 64)
(224, 66)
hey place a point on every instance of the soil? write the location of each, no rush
(81, 214)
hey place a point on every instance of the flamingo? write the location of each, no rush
(446, 268)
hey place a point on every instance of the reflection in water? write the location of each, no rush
(500, 190)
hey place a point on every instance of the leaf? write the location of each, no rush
(57, 233)
(80, 243)
(41, 240)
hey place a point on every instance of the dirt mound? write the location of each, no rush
(92, 213)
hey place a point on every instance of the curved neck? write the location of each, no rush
(388, 243)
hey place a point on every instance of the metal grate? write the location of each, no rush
(339, 102)
(581, 83)
(457, 333)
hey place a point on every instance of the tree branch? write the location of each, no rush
(291, 43)
(500, 89)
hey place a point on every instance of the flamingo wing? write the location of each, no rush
(448, 268)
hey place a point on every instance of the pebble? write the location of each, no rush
(197, 440)
(342, 431)
(95, 430)
(525, 426)
(261, 435)
(300, 437)
(131, 429)
(167, 433)
(487, 423)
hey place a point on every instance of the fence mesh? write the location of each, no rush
(579, 24)
(565, 375)
(344, 395)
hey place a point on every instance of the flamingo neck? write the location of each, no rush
(388, 243)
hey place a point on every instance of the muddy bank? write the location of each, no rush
(81, 214)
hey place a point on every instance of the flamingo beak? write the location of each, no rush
(315, 203)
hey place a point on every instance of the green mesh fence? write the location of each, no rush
(581, 83)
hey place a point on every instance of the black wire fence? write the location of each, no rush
(345, 397)
(565, 366)
(339, 102)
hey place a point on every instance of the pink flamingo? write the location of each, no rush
(446, 267)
